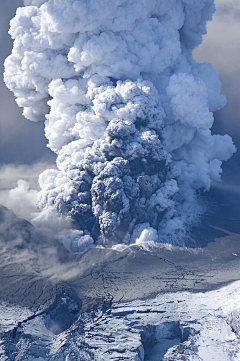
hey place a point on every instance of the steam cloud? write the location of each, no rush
(128, 112)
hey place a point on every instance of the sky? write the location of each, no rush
(23, 142)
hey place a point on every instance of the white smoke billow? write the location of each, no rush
(127, 110)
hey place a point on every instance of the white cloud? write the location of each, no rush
(128, 111)
(19, 187)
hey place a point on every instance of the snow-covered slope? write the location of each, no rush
(177, 326)
(173, 326)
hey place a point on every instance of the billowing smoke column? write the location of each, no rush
(128, 112)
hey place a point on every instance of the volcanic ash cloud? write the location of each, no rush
(127, 111)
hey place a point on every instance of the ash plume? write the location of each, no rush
(127, 111)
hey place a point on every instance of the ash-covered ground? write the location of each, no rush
(56, 305)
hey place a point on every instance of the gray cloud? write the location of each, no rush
(228, 10)
(19, 191)
(221, 47)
